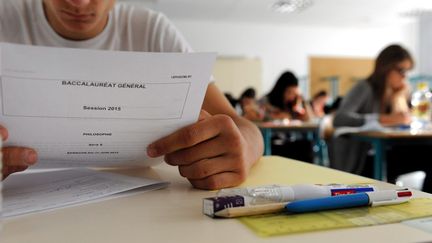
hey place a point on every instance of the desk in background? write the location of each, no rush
(380, 140)
(311, 130)
(174, 214)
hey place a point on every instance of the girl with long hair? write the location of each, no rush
(383, 98)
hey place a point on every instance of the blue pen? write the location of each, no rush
(348, 201)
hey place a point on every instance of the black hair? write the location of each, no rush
(231, 99)
(334, 106)
(248, 93)
(276, 95)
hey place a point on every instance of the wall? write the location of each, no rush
(282, 47)
(425, 45)
(345, 72)
(234, 75)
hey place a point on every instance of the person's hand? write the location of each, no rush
(399, 100)
(403, 118)
(15, 159)
(210, 153)
(252, 113)
(299, 109)
(403, 88)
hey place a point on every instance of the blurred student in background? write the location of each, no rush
(248, 106)
(285, 101)
(318, 103)
(383, 98)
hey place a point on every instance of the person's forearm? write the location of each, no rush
(394, 119)
(253, 138)
(385, 120)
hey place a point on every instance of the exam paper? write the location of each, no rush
(367, 127)
(33, 192)
(80, 108)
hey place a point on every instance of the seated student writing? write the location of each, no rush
(375, 99)
(285, 101)
(215, 152)
(248, 106)
(318, 103)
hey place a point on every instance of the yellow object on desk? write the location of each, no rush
(280, 224)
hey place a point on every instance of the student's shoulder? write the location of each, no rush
(12, 10)
(137, 13)
(150, 30)
(19, 4)
(7, 6)
(362, 88)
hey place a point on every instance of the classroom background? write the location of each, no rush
(329, 45)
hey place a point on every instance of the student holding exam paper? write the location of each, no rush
(215, 152)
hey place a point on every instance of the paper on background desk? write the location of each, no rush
(33, 192)
(97, 108)
(367, 127)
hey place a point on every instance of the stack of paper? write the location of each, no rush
(32, 192)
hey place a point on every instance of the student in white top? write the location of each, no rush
(215, 152)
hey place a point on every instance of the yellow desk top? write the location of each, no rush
(277, 170)
(174, 214)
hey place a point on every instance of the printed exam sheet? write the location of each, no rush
(81, 108)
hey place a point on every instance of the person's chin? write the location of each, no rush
(79, 29)
(82, 26)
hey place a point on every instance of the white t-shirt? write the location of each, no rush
(129, 28)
